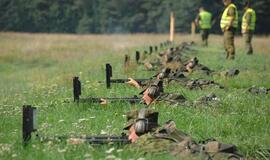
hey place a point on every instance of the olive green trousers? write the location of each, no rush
(229, 44)
(247, 40)
(205, 35)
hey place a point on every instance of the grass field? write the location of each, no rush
(37, 69)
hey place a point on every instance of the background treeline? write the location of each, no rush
(114, 16)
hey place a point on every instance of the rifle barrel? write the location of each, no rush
(126, 80)
(123, 139)
(114, 99)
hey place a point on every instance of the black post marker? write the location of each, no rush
(108, 75)
(145, 52)
(76, 89)
(150, 50)
(126, 59)
(29, 122)
(156, 48)
(137, 57)
(161, 45)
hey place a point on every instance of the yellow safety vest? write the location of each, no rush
(205, 20)
(225, 19)
(253, 20)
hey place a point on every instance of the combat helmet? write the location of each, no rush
(144, 120)
(154, 89)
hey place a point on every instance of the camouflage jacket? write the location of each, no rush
(147, 83)
(196, 83)
(203, 69)
(259, 90)
(176, 99)
(168, 139)
(201, 83)
(172, 99)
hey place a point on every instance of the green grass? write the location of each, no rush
(37, 69)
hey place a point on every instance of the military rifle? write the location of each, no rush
(109, 75)
(77, 93)
(29, 126)
(199, 83)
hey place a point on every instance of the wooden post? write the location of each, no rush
(76, 89)
(108, 75)
(137, 57)
(193, 28)
(150, 49)
(126, 62)
(172, 25)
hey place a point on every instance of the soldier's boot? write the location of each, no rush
(248, 46)
(249, 49)
(227, 54)
(231, 53)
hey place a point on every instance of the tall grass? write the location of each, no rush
(37, 69)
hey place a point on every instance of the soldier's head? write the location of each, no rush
(246, 5)
(152, 92)
(201, 9)
(227, 2)
(164, 73)
(192, 63)
(140, 122)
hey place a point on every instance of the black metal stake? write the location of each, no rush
(137, 57)
(29, 122)
(76, 89)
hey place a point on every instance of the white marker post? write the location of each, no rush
(193, 28)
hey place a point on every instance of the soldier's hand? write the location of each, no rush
(189, 67)
(75, 141)
(103, 101)
(148, 65)
(227, 28)
(133, 82)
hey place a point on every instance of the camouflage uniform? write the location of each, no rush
(172, 99)
(259, 90)
(203, 69)
(168, 139)
(177, 99)
(179, 77)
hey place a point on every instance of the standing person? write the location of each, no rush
(228, 25)
(203, 20)
(248, 27)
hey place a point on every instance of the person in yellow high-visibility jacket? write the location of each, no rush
(228, 25)
(204, 21)
(248, 27)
